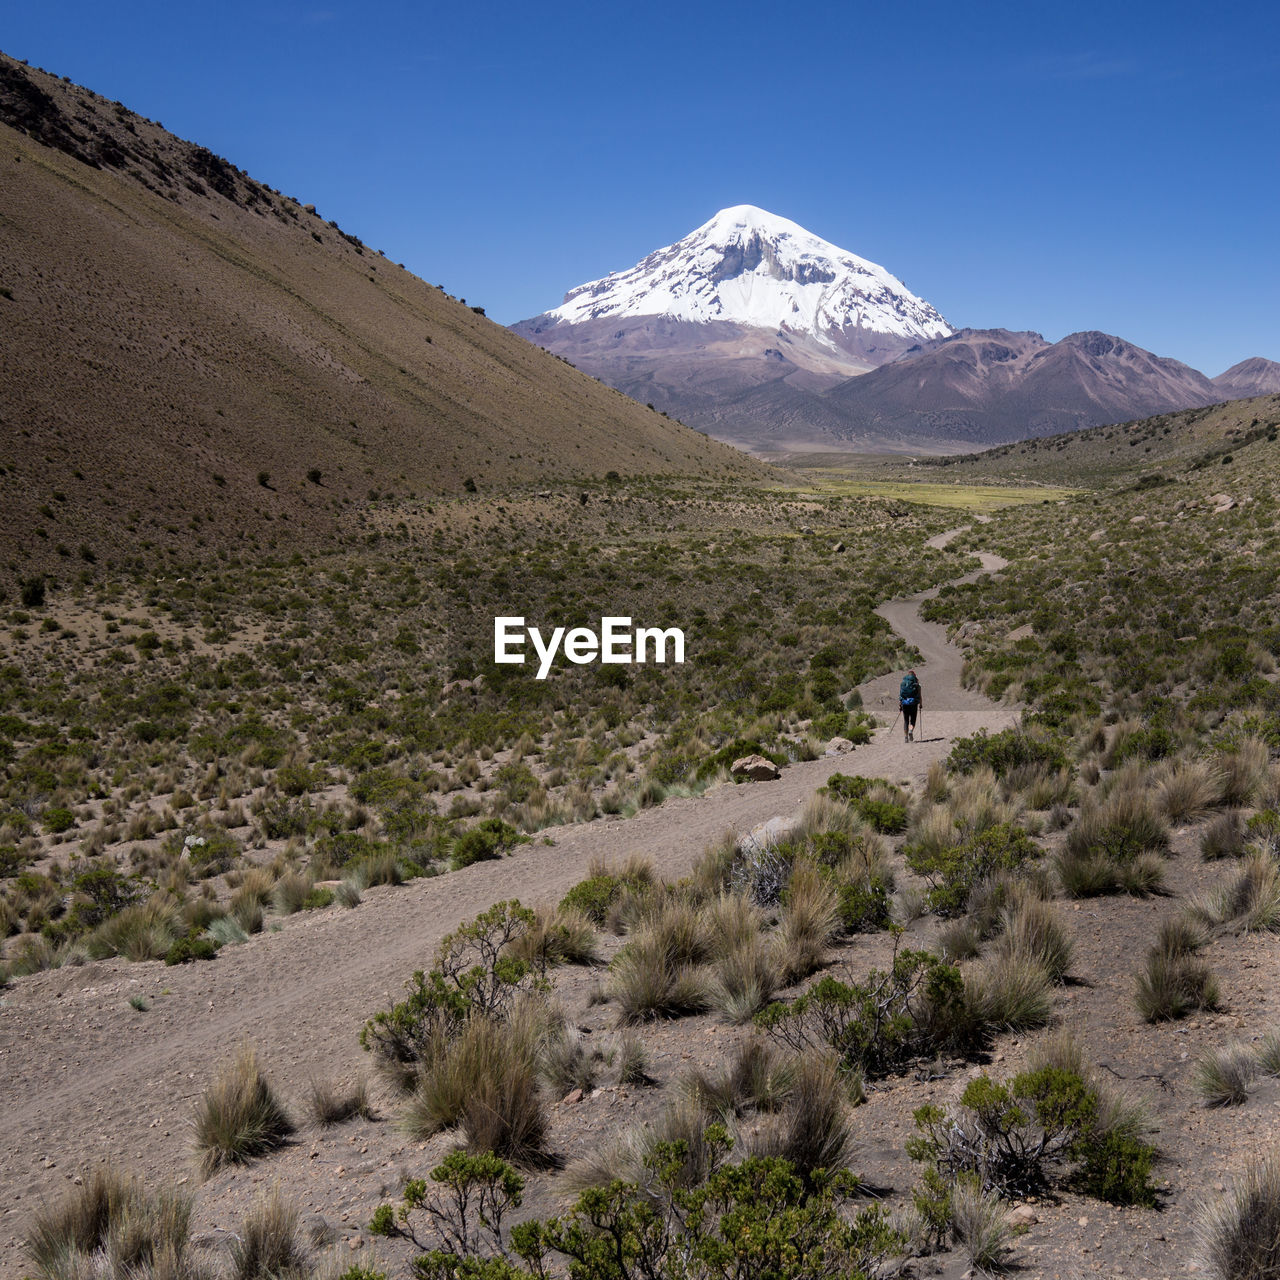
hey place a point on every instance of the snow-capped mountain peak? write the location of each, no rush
(749, 267)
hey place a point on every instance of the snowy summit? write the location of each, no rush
(750, 267)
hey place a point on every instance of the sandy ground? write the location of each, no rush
(87, 1077)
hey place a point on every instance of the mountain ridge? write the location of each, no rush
(186, 347)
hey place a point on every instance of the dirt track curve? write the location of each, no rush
(86, 1077)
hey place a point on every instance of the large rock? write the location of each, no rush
(764, 835)
(757, 768)
(838, 747)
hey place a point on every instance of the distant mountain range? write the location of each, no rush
(765, 335)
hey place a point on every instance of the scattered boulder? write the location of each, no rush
(1220, 502)
(1023, 1216)
(838, 747)
(764, 835)
(838, 548)
(757, 768)
(1024, 632)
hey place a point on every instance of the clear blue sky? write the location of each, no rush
(1042, 166)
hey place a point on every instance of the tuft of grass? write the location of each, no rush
(1223, 837)
(562, 935)
(485, 1081)
(744, 980)
(811, 918)
(1013, 994)
(1250, 903)
(814, 1130)
(649, 982)
(633, 1059)
(328, 1105)
(291, 892)
(1034, 931)
(1240, 1233)
(980, 1224)
(1269, 1054)
(1222, 1076)
(1188, 789)
(239, 1116)
(1170, 987)
(267, 1246)
(110, 1225)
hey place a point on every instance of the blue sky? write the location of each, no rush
(1051, 167)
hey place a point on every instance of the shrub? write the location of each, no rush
(920, 1006)
(1240, 1233)
(1004, 751)
(488, 839)
(1038, 1130)
(474, 973)
(239, 1116)
(1251, 902)
(57, 819)
(954, 871)
(192, 947)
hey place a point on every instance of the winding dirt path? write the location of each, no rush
(85, 1076)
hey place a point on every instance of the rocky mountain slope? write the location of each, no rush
(1252, 377)
(195, 360)
(992, 385)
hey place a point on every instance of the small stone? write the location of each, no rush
(1023, 1216)
(574, 1095)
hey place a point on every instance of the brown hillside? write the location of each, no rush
(172, 329)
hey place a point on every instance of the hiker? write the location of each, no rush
(910, 700)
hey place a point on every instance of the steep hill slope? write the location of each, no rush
(192, 358)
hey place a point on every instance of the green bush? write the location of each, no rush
(1004, 751)
(192, 947)
(954, 872)
(488, 839)
(57, 820)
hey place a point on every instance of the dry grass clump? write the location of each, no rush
(1245, 771)
(267, 1246)
(1034, 931)
(111, 1226)
(1223, 837)
(1012, 994)
(648, 983)
(1115, 846)
(239, 1115)
(1240, 1233)
(814, 1130)
(1249, 904)
(1187, 789)
(744, 979)
(1223, 1076)
(566, 1062)
(291, 891)
(144, 931)
(328, 1105)
(811, 918)
(1175, 981)
(559, 935)
(485, 1080)
(980, 1224)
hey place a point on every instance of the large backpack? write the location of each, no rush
(909, 690)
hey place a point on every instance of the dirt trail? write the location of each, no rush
(86, 1076)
